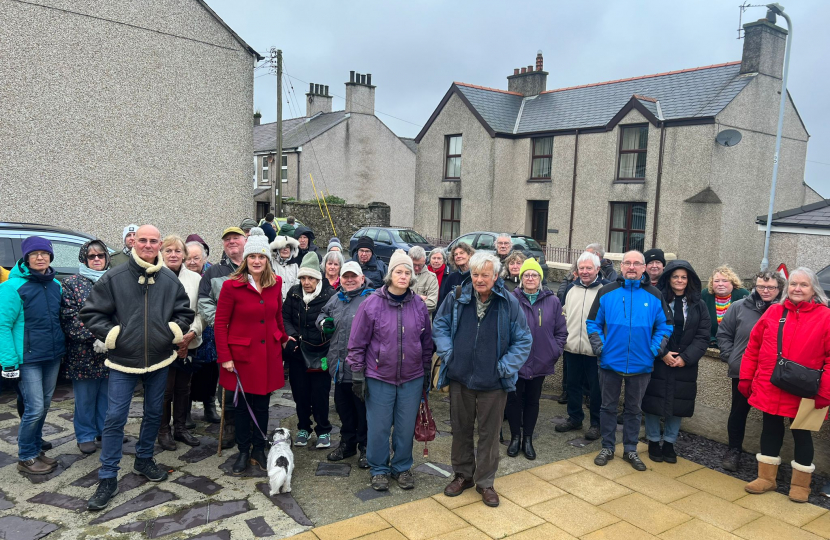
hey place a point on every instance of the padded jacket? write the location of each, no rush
(210, 286)
(548, 329)
(628, 325)
(734, 330)
(140, 311)
(578, 301)
(342, 307)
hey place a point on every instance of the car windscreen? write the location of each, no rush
(409, 237)
(527, 243)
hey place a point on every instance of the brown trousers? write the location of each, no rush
(467, 406)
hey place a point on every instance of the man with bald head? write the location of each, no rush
(140, 311)
(628, 326)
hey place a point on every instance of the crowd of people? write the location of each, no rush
(480, 325)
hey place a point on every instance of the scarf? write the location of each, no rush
(679, 310)
(438, 273)
(481, 307)
(722, 303)
(532, 297)
(308, 297)
(89, 273)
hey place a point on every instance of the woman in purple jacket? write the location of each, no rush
(390, 349)
(547, 325)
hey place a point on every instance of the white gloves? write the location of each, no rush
(99, 346)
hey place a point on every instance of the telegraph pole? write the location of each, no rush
(276, 195)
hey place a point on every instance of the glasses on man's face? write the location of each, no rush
(767, 287)
(93, 256)
(151, 241)
(629, 264)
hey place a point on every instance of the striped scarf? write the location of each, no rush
(722, 303)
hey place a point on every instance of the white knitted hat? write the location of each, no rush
(257, 243)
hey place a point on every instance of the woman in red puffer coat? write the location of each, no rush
(806, 340)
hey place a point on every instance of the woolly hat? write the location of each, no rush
(399, 258)
(247, 223)
(334, 242)
(257, 243)
(83, 254)
(531, 264)
(352, 267)
(131, 228)
(655, 255)
(310, 266)
(365, 242)
(36, 243)
(196, 238)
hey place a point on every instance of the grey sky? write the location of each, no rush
(415, 50)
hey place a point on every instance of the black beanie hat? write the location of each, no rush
(365, 242)
(655, 255)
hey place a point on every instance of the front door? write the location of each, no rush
(539, 222)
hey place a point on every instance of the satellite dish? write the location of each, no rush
(728, 137)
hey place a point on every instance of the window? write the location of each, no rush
(453, 165)
(409, 237)
(384, 237)
(542, 155)
(628, 227)
(7, 258)
(633, 144)
(486, 242)
(284, 171)
(450, 218)
(264, 176)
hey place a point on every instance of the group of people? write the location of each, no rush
(479, 325)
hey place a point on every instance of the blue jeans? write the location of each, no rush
(121, 386)
(37, 384)
(388, 405)
(90, 408)
(611, 383)
(670, 432)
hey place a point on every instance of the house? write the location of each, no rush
(125, 112)
(632, 163)
(350, 154)
(799, 236)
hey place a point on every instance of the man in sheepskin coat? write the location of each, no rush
(140, 311)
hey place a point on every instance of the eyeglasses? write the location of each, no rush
(39, 254)
(194, 259)
(151, 241)
(93, 256)
(766, 287)
(629, 264)
(529, 275)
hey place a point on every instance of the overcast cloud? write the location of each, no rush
(415, 50)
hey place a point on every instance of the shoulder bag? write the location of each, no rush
(791, 376)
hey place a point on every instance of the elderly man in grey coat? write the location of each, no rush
(426, 284)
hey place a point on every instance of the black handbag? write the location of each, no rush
(791, 376)
(314, 356)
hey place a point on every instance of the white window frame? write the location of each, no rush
(284, 169)
(264, 177)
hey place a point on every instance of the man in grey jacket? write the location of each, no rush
(426, 284)
(335, 321)
(733, 337)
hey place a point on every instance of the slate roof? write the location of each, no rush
(686, 94)
(811, 216)
(295, 131)
(410, 143)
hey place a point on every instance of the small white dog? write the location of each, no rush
(280, 462)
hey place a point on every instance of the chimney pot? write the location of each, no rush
(539, 61)
(310, 88)
(369, 79)
(327, 89)
(516, 71)
(351, 76)
(530, 69)
(524, 70)
(316, 89)
(764, 48)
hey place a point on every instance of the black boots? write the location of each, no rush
(527, 448)
(210, 412)
(669, 455)
(514, 446)
(241, 463)
(731, 460)
(655, 453)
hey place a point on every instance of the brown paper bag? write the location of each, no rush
(808, 417)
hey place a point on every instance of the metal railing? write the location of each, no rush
(438, 242)
(561, 254)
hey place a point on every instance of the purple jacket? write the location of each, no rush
(390, 341)
(549, 331)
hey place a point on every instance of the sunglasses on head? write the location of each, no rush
(91, 256)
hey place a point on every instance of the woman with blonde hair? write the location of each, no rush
(177, 394)
(724, 289)
(510, 272)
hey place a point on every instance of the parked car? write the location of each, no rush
(65, 242)
(486, 240)
(280, 221)
(388, 239)
(824, 279)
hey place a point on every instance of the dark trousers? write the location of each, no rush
(310, 390)
(736, 426)
(479, 462)
(611, 384)
(203, 384)
(522, 409)
(772, 438)
(352, 414)
(581, 367)
(246, 431)
(177, 399)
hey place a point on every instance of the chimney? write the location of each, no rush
(318, 99)
(527, 81)
(360, 94)
(764, 47)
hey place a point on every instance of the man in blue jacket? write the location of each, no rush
(482, 338)
(628, 326)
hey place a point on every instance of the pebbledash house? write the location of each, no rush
(633, 163)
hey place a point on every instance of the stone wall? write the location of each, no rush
(347, 218)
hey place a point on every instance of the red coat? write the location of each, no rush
(806, 341)
(249, 330)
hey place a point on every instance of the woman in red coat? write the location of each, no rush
(249, 335)
(806, 340)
